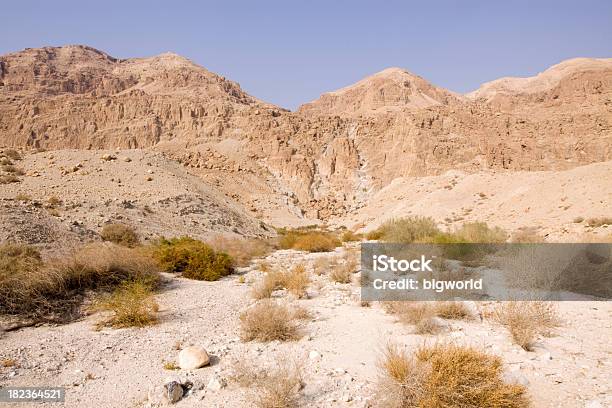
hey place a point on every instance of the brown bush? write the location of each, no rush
(53, 290)
(120, 234)
(422, 315)
(268, 320)
(446, 376)
(527, 320)
(296, 281)
(453, 310)
(8, 179)
(275, 388)
(11, 154)
(310, 241)
(341, 273)
(350, 236)
(322, 265)
(598, 222)
(8, 168)
(241, 250)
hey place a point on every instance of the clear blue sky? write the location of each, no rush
(289, 52)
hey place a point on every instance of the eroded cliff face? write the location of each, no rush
(324, 160)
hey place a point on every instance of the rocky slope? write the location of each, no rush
(325, 160)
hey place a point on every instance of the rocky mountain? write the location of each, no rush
(328, 158)
(391, 90)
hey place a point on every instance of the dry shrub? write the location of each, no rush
(242, 250)
(120, 234)
(527, 236)
(193, 258)
(423, 314)
(171, 366)
(350, 236)
(446, 376)
(268, 320)
(263, 266)
(8, 168)
(278, 387)
(527, 320)
(53, 290)
(480, 233)
(310, 241)
(401, 379)
(23, 197)
(322, 265)
(11, 154)
(264, 288)
(419, 314)
(132, 305)
(453, 310)
(406, 230)
(8, 179)
(53, 202)
(301, 313)
(341, 273)
(296, 281)
(598, 222)
(8, 362)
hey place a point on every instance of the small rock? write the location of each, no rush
(127, 159)
(314, 355)
(174, 391)
(108, 157)
(193, 357)
(216, 383)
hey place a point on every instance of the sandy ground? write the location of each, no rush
(116, 368)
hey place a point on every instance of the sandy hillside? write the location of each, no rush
(554, 204)
(71, 194)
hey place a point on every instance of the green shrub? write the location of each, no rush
(120, 234)
(193, 258)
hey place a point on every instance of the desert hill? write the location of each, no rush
(324, 161)
(390, 90)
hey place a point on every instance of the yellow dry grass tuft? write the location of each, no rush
(445, 375)
(53, 290)
(267, 321)
(274, 388)
(120, 234)
(310, 241)
(131, 304)
(241, 250)
(527, 320)
(296, 281)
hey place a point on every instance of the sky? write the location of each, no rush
(290, 52)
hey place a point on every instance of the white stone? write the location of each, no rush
(314, 355)
(216, 383)
(193, 357)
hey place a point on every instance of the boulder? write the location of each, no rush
(193, 357)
